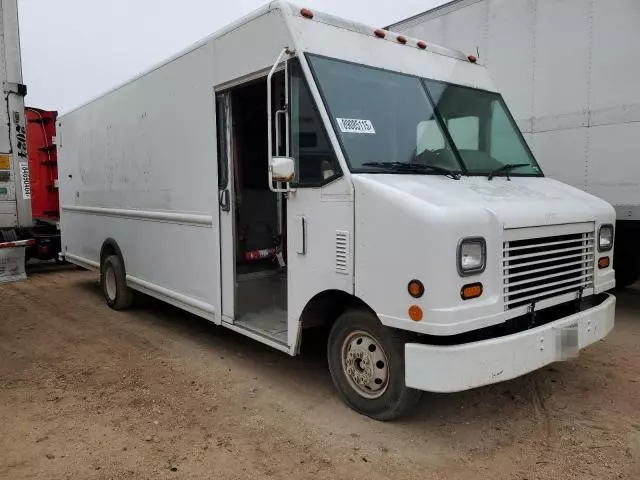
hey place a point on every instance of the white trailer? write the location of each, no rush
(15, 186)
(296, 169)
(570, 71)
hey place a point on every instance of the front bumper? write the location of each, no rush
(462, 367)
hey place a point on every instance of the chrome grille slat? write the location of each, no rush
(513, 249)
(551, 284)
(546, 277)
(587, 256)
(548, 252)
(543, 267)
(546, 269)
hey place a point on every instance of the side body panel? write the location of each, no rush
(139, 165)
(320, 246)
(569, 72)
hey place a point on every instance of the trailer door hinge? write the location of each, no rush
(17, 88)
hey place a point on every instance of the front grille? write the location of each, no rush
(541, 268)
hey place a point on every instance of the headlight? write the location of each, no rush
(472, 256)
(605, 238)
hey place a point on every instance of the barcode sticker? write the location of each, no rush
(354, 125)
(25, 180)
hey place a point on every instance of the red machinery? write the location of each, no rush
(43, 168)
(43, 164)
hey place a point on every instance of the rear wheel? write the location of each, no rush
(114, 285)
(366, 361)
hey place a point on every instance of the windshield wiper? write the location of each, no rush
(413, 167)
(505, 168)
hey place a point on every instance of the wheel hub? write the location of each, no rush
(359, 367)
(111, 285)
(365, 364)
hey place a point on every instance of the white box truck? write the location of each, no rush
(15, 186)
(296, 169)
(570, 71)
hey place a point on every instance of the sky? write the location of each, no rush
(75, 50)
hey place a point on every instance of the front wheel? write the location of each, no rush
(366, 361)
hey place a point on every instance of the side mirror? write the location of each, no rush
(283, 169)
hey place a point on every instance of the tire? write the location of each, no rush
(114, 285)
(357, 345)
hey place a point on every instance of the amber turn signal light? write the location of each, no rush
(415, 313)
(473, 290)
(603, 262)
(416, 288)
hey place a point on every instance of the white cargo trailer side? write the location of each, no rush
(15, 185)
(15, 195)
(570, 71)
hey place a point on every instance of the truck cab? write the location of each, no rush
(367, 181)
(472, 267)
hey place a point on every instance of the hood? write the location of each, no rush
(516, 203)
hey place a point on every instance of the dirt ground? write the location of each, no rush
(89, 393)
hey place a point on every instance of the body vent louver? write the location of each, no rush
(343, 253)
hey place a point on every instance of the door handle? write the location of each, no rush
(279, 113)
(225, 200)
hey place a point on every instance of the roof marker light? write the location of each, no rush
(380, 33)
(401, 39)
(472, 58)
(306, 13)
(422, 44)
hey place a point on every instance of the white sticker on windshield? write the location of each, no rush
(354, 125)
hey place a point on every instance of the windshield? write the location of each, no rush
(377, 113)
(481, 128)
(386, 120)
